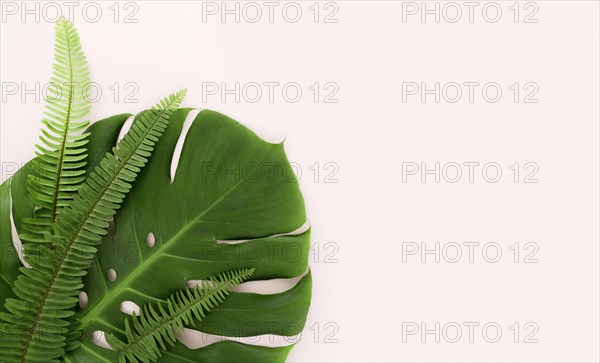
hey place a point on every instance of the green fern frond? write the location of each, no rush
(48, 291)
(147, 333)
(58, 168)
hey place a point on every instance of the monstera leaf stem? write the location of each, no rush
(90, 314)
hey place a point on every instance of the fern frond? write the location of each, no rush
(58, 168)
(147, 333)
(48, 291)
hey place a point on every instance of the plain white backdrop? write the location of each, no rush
(362, 132)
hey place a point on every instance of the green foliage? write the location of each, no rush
(188, 216)
(153, 328)
(60, 162)
(48, 291)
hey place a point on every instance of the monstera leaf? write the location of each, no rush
(231, 202)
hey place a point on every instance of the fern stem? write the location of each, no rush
(56, 188)
(37, 318)
(61, 154)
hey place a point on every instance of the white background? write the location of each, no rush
(359, 203)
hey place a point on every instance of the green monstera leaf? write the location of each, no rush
(213, 198)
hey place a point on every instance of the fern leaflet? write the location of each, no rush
(59, 166)
(146, 334)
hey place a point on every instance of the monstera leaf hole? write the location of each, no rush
(187, 123)
(124, 129)
(17, 243)
(99, 339)
(129, 307)
(83, 299)
(150, 240)
(112, 275)
(263, 287)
